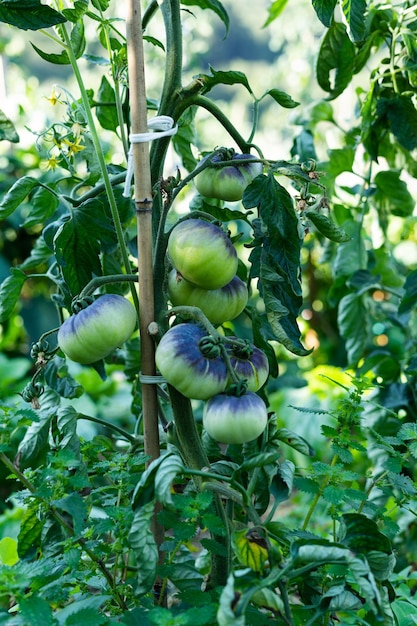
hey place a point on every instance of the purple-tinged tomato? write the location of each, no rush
(229, 182)
(96, 331)
(190, 361)
(235, 419)
(202, 253)
(218, 305)
(250, 364)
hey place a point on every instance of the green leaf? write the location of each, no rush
(324, 10)
(78, 44)
(282, 98)
(16, 194)
(354, 12)
(8, 551)
(294, 441)
(34, 445)
(76, 13)
(29, 14)
(74, 612)
(166, 472)
(223, 78)
(225, 614)
(36, 611)
(10, 291)
(275, 10)
(260, 460)
(143, 544)
(7, 130)
(392, 194)
(277, 261)
(335, 61)
(106, 107)
(327, 227)
(76, 507)
(250, 549)
(400, 114)
(361, 534)
(43, 205)
(185, 138)
(30, 532)
(409, 299)
(214, 5)
(352, 308)
(351, 255)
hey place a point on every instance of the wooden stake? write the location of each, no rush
(143, 202)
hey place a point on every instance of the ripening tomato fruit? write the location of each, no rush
(190, 361)
(249, 363)
(228, 182)
(218, 305)
(202, 253)
(235, 419)
(96, 331)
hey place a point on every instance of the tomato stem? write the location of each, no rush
(98, 281)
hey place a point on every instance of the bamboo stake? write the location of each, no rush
(143, 203)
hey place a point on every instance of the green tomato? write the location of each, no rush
(190, 362)
(228, 182)
(96, 331)
(235, 419)
(202, 253)
(250, 363)
(218, 305)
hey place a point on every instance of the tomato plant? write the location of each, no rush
(219, 305)
(203, 253)
(97, 330)
(227, 182)
(189, 474)
(235, 419)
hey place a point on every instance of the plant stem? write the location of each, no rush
(100, 157)
(319, 494)
(98, 281)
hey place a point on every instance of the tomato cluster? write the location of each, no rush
(225, 372)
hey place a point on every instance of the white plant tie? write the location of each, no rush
(162, 126)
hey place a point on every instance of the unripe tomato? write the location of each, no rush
(235, 419)
(202, 253)
(228, 182)
(94, 332)
(251, 364)
(190, 362)
(218, 305)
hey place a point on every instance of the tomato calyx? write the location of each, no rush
(237, 389)
(209, 347)
(78, 303)
(242, 348)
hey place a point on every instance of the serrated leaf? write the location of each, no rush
(10, 291)
(43, 205)
(335, 62)
(354, 14)
(276, 258)
(58, 378)
(142, 542)
(224, 78)
(327, 227)
(352, 308)
(29, 14)
(7, 129)
(214, 5)
(36, 611)
(324, 10)
(308, 485)
(361, 534)
(76, 507)
(78, 606)
(34, 444)
(16, 194)
(282, 98)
